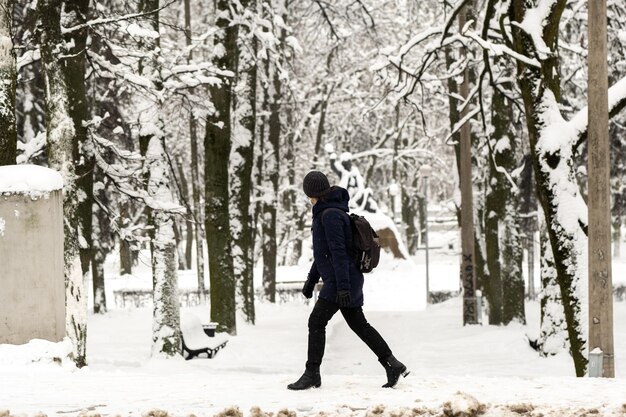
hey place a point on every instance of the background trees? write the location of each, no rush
(117, 95)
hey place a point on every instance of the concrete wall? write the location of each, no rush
(32, 287)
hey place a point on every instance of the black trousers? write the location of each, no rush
(320, 316)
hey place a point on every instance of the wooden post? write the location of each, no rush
(468, 272)
(600, 280)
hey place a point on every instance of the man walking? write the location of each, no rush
(343, 283)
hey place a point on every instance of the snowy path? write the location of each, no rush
(492, 364)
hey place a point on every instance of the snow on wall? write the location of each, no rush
(29, 179)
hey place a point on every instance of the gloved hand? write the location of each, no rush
(307, 288)
(343, 298)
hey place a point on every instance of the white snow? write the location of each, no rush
(535, 20)
(37, 351)
(21, 179)
(454, 368)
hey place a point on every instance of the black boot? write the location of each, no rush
(394, 369)
(309, 379)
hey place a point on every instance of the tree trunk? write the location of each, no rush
(553, 333)
(617, 237)
(512, 275)
(217, 146)
(242, 158)
(184, 186)
(8, 83)
(166, 335)
(528, 209)
(272, 173)
(102, 244)
(60, 139)
(195, 174)
(413, 213)
(555, 176)
(493, 285)
(74, 68)
(505, 286)
(178, 238)
(126, 256)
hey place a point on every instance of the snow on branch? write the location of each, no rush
(120, 178)
(500, 49)
(28, 58)
(469, 116)
(104, 21)
(580, 121)
(415, 40)
(452, 18)
(383, 152)
(534, 23)
(323, 8)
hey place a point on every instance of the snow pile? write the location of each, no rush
(31, 179)
(37, 351)
(463, 405)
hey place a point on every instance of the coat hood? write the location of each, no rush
(337, 197)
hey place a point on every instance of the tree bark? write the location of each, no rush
(541, 92)
(184, 185)
(528, 209)
(8, 83)
(195, 172)
(166, 335)
(101, 246)
(242, 158)
(74, 68)
(553, 333)
(126, 256)
(505, 286)
(272, 173)
(217, 146)
(60, 140)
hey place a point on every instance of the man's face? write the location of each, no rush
(313, 200)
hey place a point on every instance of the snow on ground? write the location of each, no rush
(494, 365)
(454, 368)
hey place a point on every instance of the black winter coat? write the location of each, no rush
(332, 243)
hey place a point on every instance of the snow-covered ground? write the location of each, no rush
(493, 365)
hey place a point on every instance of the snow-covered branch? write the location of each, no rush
(104, 21)
(457, 127)
(500, 49)
(580, 122)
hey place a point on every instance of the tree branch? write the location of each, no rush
(617, 102)
(104, 21)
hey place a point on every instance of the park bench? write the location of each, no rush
(196, 341)
(141, 297)
(291, 291)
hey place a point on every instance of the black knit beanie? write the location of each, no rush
(315, 184)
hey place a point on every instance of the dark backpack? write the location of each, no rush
(365, 245)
